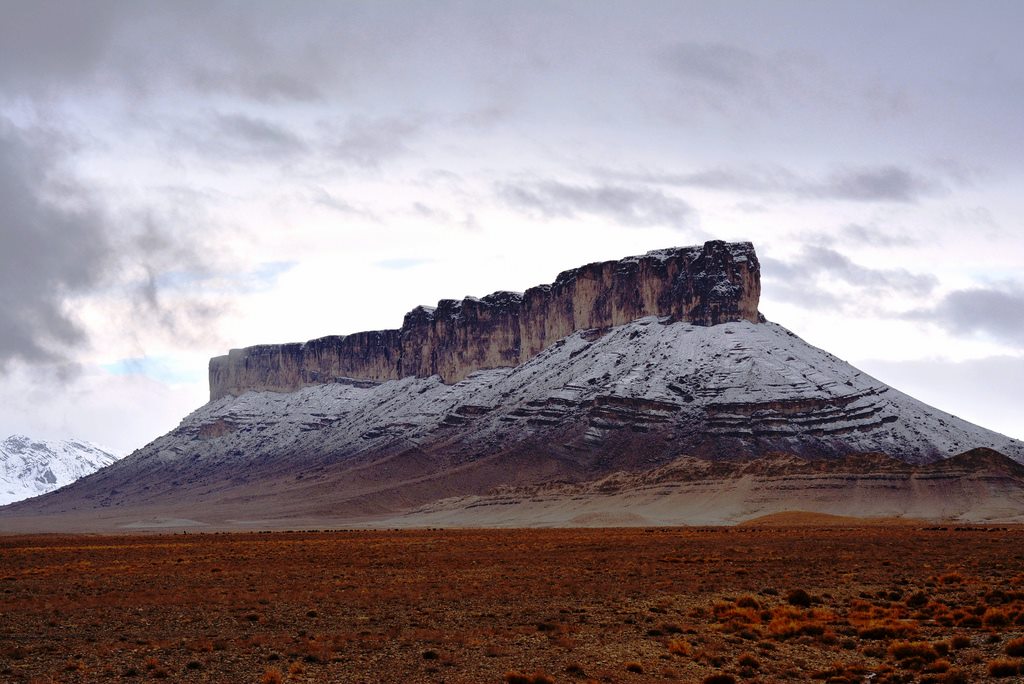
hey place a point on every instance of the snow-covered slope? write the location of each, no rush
(30, 467)
(736, 389)
(629, 399)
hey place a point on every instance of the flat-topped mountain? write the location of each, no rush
(663, 365)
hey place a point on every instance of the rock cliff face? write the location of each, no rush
(717, 282)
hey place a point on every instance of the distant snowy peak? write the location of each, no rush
(30, 467)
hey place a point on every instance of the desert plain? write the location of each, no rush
(789, 598)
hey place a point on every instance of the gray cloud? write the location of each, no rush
(627, 205)
(874, 184)
(760, 179)
(874, 236)
(733, 80)
(60, 243)
(861, 235)
(717, 74)
(258, 135)
(49, 43)
(807, 279)
(324, 198)
(239, 138)
(244, 50)
(994, 312)
(365, 143)
(164, 268)
(262, 86)
(885, 183)
(370, 142)
(48, 251)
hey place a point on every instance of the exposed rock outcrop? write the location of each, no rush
(717, 282)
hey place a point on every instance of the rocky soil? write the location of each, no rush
(839, 603)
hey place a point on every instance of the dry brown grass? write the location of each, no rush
(272, 676)
(1015, 647)
(1003, 668)
(757, 604)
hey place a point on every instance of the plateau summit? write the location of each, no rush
(716, 283)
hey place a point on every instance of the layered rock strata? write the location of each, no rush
(717, 282)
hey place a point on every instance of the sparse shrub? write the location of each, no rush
(994, 618)
(955, 677)
(969, 621)
(748, 602)
(563, 641)
(917, 600)
(520, 678)
(748, 660)
(888, 629)
(272, 676)
(799, 597)
(719, 679)
(14, 652)
(952, 578)
(680, 647)
(430, 655)
(789, 622)
(74, 666)
(959, 641)
(1015, 648)
(1003, 668)
(941, 665)
(841, 673)
(905, 650)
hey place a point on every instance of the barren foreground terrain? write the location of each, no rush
(799, 600)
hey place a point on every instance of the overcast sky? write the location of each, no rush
(180, 178)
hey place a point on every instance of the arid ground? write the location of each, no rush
(757, 603)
